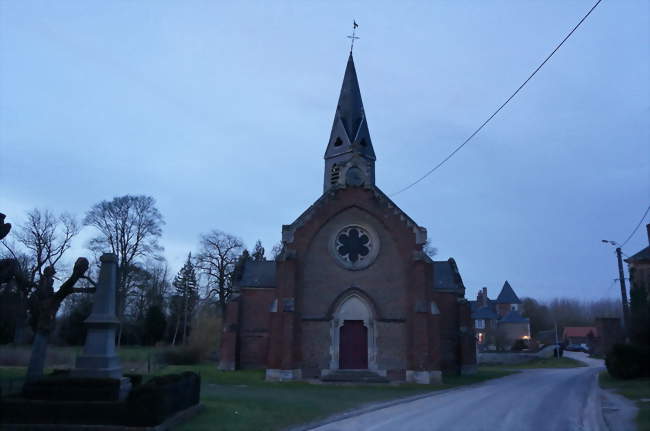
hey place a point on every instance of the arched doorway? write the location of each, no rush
(353, 336)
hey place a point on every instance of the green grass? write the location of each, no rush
(634, 389)
(12, 372)
(563, 362)
(242, 400)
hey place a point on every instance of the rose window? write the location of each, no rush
(355, 247)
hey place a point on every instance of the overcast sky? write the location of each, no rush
(222, 111)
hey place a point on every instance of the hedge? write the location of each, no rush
(628, 361)
(148, 404)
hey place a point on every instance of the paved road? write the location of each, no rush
(536, 400)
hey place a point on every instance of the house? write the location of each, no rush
(352, 288)
(498, 323)
(639, 268)
(580, 335)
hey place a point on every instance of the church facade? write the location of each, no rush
(352, 288)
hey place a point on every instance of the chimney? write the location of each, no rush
(647, 228)
(485, 298)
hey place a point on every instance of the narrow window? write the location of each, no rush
(335, 173)
(338, 142)
(363, 142)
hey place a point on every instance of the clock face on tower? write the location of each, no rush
(354, 177)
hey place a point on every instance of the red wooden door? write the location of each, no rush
(353, 347)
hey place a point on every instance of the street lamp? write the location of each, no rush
(621, 277)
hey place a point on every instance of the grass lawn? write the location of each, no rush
(242, 400)
(635, 389)
(563, 362)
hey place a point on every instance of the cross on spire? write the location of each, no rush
(353, 36)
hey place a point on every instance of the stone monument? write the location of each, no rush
(99, 359)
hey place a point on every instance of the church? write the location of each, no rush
(352, 295)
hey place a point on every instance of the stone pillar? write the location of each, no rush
(99, 359)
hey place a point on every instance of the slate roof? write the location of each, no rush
(350, 126)
(507, 295)
(513, 317)
(258, 274)
(640, 256)
(446, 275)
(487, 313)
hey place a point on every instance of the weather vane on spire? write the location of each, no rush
(354, 30)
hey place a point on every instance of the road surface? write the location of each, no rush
(536, 400)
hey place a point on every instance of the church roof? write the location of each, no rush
(643, 255)
(258, 274)
(350, 129)
(507, 295)
(446, 275)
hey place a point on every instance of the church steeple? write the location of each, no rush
(349, 144)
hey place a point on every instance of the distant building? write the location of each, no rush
(498, 322)
(580, 335)
(639, 267)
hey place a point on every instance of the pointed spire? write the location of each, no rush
(350, 129)
(508, 295)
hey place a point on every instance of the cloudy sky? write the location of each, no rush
(221, 111)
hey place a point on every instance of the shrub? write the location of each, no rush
(627, 361)
(61, 387)
(182, 355)
(151, 403)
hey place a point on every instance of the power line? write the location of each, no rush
(637, 227)
(432, 170)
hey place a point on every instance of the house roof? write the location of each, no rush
(640, 256)
(579, 331)
(507, 295)
(513, 317)
(446, 275)
(258, 274)
(485, 313)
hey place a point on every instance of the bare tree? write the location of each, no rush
(217, 260)
(44, 238)
(130, 227)
(42, 241)
(276, 251)
(41, 236)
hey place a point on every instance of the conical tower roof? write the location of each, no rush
(508, 295)
(350, 129)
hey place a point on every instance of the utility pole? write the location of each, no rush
(621, 277)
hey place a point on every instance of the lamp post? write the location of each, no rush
(621, 277)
